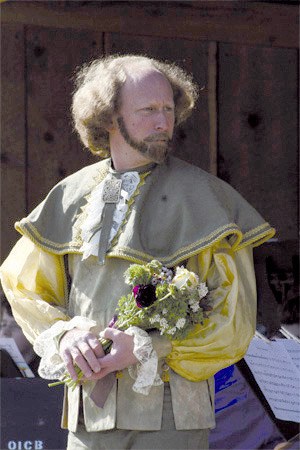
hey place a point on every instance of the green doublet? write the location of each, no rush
(177, 210)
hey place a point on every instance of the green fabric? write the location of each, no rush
(94, 294)
(166, 438)
(180, 210)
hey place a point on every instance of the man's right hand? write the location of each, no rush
(81, 348)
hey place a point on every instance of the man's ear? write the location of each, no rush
(112, 124)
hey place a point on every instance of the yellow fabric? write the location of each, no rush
(224, 337)
(35, 284)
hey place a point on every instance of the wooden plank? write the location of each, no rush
(13, 157)
(53, 150)
(258, 123)
(253, 23)
(213, 107)
(191, 139)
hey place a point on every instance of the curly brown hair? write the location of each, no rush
(97, 95)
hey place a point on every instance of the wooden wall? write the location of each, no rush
(244, 56)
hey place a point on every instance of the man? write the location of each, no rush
(65, 275)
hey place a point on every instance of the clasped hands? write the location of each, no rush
(84, 349)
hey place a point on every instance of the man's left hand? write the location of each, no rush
(120, 356)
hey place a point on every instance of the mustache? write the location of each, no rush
(157, 137)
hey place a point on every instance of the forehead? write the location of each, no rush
(145, 85)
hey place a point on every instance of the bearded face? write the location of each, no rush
(154, 147)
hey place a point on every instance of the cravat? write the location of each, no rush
(110, 196)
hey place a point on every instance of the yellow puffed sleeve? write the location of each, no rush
(35, 286)
(225, 335)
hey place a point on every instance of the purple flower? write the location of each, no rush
(144, 295)
(113, 321)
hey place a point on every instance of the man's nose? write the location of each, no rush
(162, 123)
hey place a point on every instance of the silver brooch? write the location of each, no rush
(111, 190)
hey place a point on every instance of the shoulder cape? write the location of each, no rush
(179, 211)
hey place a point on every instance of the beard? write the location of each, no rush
(155, 147)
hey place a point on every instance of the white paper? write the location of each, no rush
(11, 347)
(277, 375)
(293, 349)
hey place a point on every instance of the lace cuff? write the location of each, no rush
(145, 372)
(51, 365)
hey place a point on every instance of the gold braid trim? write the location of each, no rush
(258, 237)
(254, 237)
(181, 254)
(27, 229)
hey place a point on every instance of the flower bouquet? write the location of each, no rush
(161, 299)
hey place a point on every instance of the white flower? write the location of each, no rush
(180, 323)
(185, 278)
(202, 290)
(172, 330)
(195, 307)
(127, 278)
(165, 311)
(163, 323)
(155, 318)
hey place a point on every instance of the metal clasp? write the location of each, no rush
(111, 191)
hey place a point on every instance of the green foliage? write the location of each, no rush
(162, 290)
(154, 266)
(137, 274)
(175, 311)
